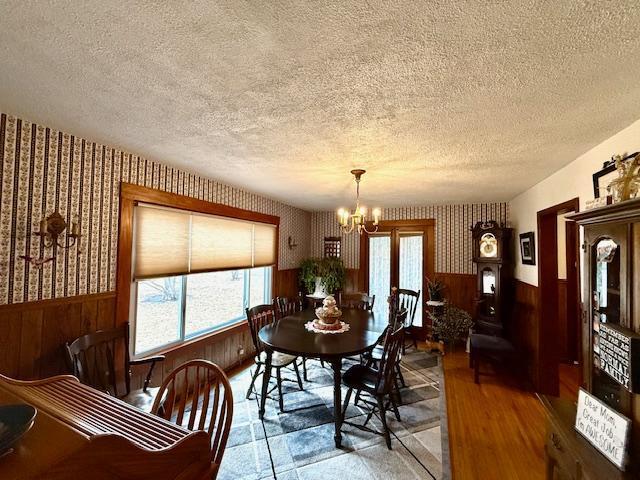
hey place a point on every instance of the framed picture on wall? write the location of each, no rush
(603, 177)
(528, 248)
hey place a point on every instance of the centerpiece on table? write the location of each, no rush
(328, 315)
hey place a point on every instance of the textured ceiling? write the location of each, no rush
(448, 101)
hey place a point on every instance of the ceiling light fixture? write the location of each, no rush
(350, 221)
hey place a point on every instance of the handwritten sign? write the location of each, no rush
(618, 353)
(603, 427)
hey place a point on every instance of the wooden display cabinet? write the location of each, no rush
(611, 297)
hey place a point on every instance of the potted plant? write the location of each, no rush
(322, 276)
(435, 288)
(452, 324)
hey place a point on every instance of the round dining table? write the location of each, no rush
(289, 335)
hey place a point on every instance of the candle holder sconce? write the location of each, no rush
(51, 236)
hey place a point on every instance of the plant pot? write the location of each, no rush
(320, 290)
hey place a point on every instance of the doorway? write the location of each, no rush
(400, 254)
(558, 333)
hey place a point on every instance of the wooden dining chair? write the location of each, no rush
(377, 383)
(257, 318)
(408, 300)
(197, 395)
(94, 359)
(373, 357)
(290, 306)
(358, 300)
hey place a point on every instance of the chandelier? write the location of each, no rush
(349, 221)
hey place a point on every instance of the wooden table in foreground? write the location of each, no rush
(79, 430)
(289, 335)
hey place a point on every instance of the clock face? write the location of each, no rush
(488, 246)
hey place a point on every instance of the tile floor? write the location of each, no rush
(298, 443)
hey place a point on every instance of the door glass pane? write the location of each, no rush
(606, 309)
(213, 299)
(410, 263)
(158, 310)
(380, 271)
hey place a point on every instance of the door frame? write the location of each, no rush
(547, 377)
(395, 228)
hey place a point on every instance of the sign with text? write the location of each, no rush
(603, 427)
(619, 354)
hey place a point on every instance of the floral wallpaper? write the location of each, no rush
(43, 170)
(453, 249)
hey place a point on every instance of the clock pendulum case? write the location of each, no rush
(492, 256)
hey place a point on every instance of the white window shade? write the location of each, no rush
(219, 243)
(175, 242)
(161, 242)
(264, 244)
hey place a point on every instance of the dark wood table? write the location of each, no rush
(289, 335)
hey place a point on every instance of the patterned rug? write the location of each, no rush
(298, 444)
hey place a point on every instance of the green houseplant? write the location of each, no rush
(329, 271)
(451, 324)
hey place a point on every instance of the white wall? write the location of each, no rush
(573, 180)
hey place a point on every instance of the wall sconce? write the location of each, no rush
(50, 233)
(291, 243)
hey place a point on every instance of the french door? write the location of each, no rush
(400, 254)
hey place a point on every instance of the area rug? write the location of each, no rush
(298, 443)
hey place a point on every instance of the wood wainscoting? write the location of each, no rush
(286, 283)
(33, 334)
(460, 287)
(524, 326)
(460, 290)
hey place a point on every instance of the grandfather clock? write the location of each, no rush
(492, 256)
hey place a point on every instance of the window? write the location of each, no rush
(171, 310)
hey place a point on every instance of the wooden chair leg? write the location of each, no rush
(304, 369)
(399, 372)
(383, 419)
(253, 381)
(357, 399)
(346, 403)
(396, 390)
(471, 358)
(280, 398)
(295, 367)
(394, 405)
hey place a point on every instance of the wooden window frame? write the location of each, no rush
(130, 195)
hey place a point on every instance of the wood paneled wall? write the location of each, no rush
(33, 334)
(286, 283)
(563, 326)
(523, 328)
(460, 290)
(460, 287)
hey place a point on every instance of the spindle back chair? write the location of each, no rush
(197, 395)
(359, 300)
(95, 358)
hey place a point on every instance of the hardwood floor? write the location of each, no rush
(496, 429)
(569, 381)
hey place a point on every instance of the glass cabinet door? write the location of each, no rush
(607, 284)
